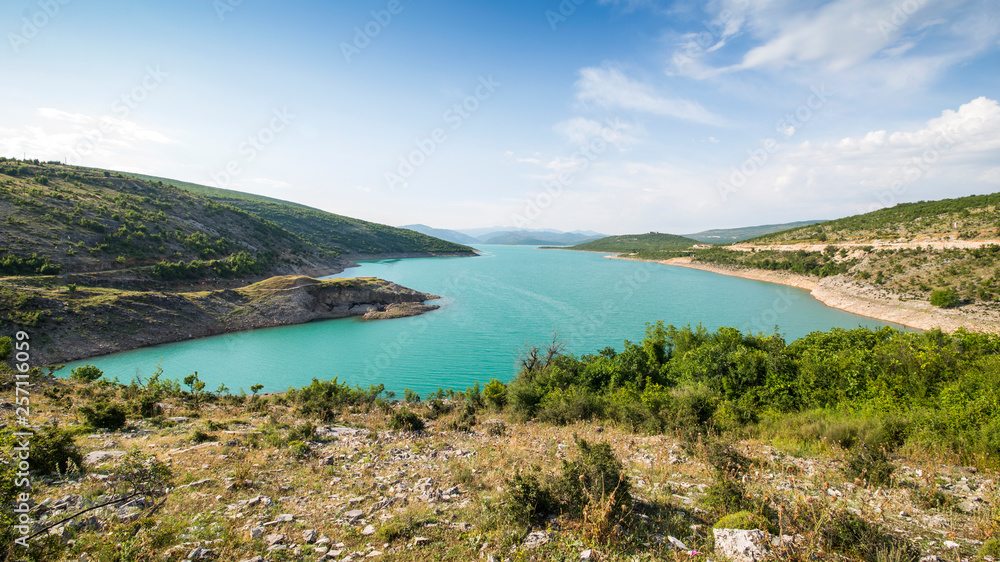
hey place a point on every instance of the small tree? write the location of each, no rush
(945, 298)
(196, 385)
(87, 373)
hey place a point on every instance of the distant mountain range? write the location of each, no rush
(506, 236)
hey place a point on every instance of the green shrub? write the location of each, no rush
(525, 499)
(298, 449)
(405, 420)
(990, 548)
(495, 394)
(199, 436)
(410, 396)
(104, 415)
(594, 475)
(86, 373)
(945, 298)
(53, 450)
(305, 431)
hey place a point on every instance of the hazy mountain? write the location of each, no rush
(443, 233)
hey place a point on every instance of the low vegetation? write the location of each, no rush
(856, 444)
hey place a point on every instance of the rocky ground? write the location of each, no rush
(356, 490)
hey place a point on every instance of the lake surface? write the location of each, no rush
(493, 307)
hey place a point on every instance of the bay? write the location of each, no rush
(493, 306)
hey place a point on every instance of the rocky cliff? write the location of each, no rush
(91, 321)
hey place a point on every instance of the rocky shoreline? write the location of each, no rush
(842, 294)
(96, 322)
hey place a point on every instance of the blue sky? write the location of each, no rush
(612, 115)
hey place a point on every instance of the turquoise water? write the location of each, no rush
(493, 306)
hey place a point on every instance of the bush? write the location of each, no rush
(495, 394)
(410, 396)
(199, 436)
(86, 373)
(945, 298)
(525, 498)
(405, 420)
(104, 415)
(870, 465)
(53, 450)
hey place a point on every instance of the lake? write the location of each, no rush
(493, 306)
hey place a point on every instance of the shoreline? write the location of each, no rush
(835, 292)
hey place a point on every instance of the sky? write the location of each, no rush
(620, 116)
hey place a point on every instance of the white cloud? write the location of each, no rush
(78, 138)
(870, 45)
(582, 131)
(610, 88)
(951, 155)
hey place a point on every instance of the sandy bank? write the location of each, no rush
(864, 300)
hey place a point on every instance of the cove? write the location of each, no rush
(493, 306)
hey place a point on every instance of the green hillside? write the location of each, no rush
(345, 235)
(634, 243)
(731, 235)
(66, 219)
(973, 217)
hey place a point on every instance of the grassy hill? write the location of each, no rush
(345, 235)
(65, 219)
(969, 218)
(634, 243)
(731, 235)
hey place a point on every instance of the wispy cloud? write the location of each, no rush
(608, 87)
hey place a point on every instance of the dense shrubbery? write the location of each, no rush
(882, 388)
(324, 400)
(232, 266)
(30, 265)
